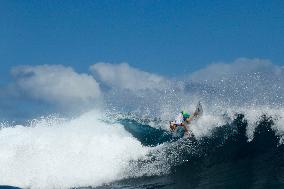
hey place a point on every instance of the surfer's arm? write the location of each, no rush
(191, 117)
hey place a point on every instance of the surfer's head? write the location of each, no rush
(185, 115)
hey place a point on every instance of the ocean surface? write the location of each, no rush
(229, 151)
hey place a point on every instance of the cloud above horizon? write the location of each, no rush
(251, 81)
(123, 76)
(239, 67)
(55, 83)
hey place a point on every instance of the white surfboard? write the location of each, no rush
(198, 111)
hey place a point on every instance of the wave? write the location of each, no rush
(230, 150)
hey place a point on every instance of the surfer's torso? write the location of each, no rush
(180, 120)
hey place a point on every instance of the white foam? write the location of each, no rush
(205, 124)
(61, 154)
(253, 115)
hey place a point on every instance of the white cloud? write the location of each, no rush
(56, 83)
(241, 66)
(254, 81)
(123, 76)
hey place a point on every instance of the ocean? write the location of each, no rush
(90, 151)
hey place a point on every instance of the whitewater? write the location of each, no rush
(57, 153)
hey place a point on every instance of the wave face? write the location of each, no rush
(227, 159)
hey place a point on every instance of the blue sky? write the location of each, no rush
(164, 37)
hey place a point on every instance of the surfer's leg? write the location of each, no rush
(172, 126)
(185, 128)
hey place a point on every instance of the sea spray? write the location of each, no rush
(84, 151)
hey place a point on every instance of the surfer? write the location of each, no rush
(183, 119)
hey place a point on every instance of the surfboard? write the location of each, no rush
(198, 111)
